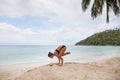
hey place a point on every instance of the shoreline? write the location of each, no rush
(19, 66)
(19, 73)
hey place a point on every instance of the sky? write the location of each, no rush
(49, 22)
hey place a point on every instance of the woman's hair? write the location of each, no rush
(49, 54)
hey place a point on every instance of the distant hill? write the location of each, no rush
(108, 37)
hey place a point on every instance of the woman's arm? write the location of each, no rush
(61, 61)
(58, 61)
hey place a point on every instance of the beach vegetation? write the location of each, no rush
(107, 37)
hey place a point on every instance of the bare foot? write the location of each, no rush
(60, 65)
(57, 63)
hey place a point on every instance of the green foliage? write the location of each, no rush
(108, 37)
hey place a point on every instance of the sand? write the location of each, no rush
(108, 69)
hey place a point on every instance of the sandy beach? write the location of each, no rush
(107, 69)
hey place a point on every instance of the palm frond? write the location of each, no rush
(115, 7)
(97, 8)
(118, 1)
(85, 4)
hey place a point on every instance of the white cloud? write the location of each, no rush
(67, 34)
(65, 11)
(61, 10)
(62, 35)
(11, 8)
(12, 34)
(74, 24)
(9, 33)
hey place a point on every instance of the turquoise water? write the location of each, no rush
(16, 54)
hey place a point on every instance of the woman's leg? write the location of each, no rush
(61, 54)
(62, 51)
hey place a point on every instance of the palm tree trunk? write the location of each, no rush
(107, 12)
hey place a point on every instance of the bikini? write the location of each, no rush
(61, 48)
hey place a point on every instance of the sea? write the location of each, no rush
(22, 54)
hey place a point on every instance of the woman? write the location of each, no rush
(59, 52)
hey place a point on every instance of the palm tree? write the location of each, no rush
(97, 7)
